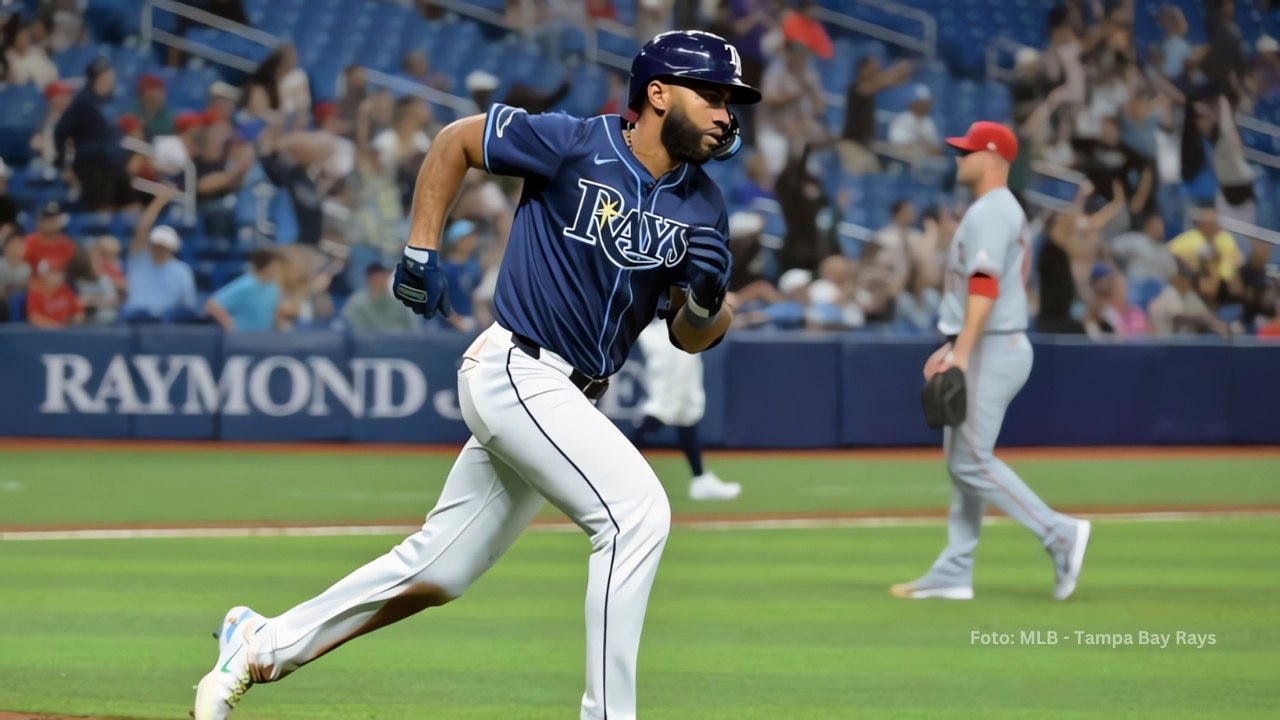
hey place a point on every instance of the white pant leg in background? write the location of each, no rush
(673, 379)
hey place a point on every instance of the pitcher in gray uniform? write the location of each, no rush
(984, 316)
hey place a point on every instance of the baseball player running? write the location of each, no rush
(676, 397)
(617, 222)
(984, 316)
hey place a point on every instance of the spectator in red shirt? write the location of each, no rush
(51, 304)
(48, 241)
(799, 25)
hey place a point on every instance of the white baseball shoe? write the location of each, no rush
(924, 589)
(709, 487)
(1067, 564)
(222, 688)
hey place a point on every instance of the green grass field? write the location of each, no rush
(742, 624)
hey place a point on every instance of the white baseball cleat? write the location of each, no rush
(918, 591)
(222, 688)
(709, 487)
(1067, 566)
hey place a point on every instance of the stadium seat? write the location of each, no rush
(18, 306)
(1142, 293)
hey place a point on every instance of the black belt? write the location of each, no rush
(952, 338)
(591, 387)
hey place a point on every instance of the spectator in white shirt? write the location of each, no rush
(29, 63)
(896, 244)
(790, 116)
(912, 131)
(406, 141)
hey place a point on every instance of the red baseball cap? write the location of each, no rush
(988, 136)
(188, 120)
(150, 82)
(54, 89)
(324, 110)
(128, 123)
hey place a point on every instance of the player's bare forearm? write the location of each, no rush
(695, 334)
(214, 309)
(457, 148)
(142, 231)
(976, 311)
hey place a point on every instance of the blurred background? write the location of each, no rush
(201, 202)
(180, 167)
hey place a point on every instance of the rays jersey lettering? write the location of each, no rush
(596, 240)
(604, 218)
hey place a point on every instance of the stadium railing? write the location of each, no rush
(926, 45)
(151, 34)
(135, 145)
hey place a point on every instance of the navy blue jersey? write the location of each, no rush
(596, 240)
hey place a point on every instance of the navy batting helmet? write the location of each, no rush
(694, 55)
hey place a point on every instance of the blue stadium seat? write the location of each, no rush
(113, 20)
(88, 224)
(73, 61)
(23, 107)
(1231, 313)
(626, 11)
(18, 306)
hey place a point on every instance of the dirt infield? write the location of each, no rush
(9, 715)
(687, 520)
(29, 716)
(888, 454)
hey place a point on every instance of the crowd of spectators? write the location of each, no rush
(1152, 138)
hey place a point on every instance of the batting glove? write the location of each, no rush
(420, 284)
(708, 271)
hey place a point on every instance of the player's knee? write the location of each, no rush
(967, 468)
(646, 521)
(657, 516)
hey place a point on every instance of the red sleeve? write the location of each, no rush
(29, 254)
(984, 285)
(66, 250)
(36, 304)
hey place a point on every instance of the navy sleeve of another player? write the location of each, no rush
(517, 143)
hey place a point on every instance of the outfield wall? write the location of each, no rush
(778, 390)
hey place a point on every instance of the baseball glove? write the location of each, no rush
(943, 399)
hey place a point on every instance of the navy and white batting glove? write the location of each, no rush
(420, 284)
(708, 272)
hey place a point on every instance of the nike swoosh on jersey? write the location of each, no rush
(599, 161)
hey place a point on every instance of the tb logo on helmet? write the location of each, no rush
(604, 219)
(734, 59)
